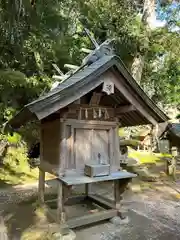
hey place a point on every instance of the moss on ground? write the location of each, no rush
(15, 168)
(144, 157)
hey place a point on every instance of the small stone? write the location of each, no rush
(132, 162)
(125, 220)
(118, 221)
(135, 188)
(57, 236)
(70, 236)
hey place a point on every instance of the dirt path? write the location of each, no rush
(153, 213)
(19, 193)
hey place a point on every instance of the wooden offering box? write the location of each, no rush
(97, 170)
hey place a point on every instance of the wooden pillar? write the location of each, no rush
(156, 136)
(119, 188)
(63, 149)
(41, 172)
(60, 204)
(117, 149)
(174, 159)
(41, 186)
(117, 194)
(168, 162)
(86, 189)
(171, 164)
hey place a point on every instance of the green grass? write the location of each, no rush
(129, 142)
(146, 157)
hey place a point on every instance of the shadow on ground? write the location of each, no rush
(19, 218)
(152, 214)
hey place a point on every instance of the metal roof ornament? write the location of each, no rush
(100, 50)
(105, 49)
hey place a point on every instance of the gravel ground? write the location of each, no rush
(138, 228)
(17, 194)
(152, 214)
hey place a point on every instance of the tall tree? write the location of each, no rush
(161, 72)
(148, 15)
(35, 34)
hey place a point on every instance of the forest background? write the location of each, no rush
(35, 34)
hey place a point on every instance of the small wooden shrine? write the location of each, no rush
(170, 132)
(80, 119)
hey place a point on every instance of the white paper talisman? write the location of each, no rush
(108, 87)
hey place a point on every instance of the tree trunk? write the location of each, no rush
(137, 67)
(147, 17)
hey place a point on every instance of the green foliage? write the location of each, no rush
(34, 37)
(161, 74)
(114, 19)
(30, 133)
(16, 90)
(162, 68)
(15, 168)
(14, 139)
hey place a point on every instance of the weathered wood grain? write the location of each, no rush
(41, 186)
(100, 146)
(129, 95)
(60, 205)
(89, 122)
(106, 203)
(82, 179)
(91, 218)
(95, 99)
(50, 141)
(82, 147)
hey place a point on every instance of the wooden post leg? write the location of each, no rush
(60, 204)
(86, 189)
(174, 168)
(117, 196)
(174, 162)
(119, 188)
(41, 186)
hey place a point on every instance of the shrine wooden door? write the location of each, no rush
(100, 146)
(82, 144)
(91, 146)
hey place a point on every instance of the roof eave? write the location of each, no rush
(19, 119)
(126, 74)
(31, 111)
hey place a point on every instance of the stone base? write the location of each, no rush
(118, 221)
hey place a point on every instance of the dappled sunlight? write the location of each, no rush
(34, 226)
(16, 169)
(144, 156)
